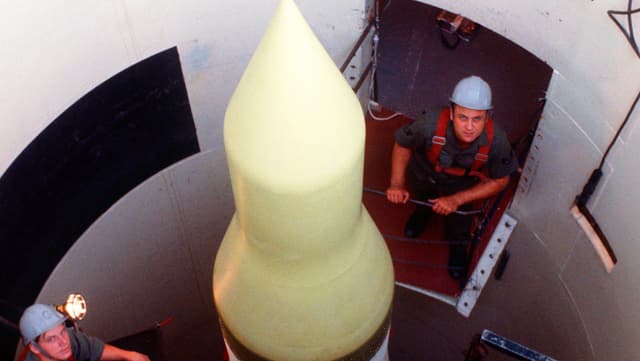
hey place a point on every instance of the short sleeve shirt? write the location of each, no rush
(84, 347)
(418, 136)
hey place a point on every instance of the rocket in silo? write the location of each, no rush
(302, 272)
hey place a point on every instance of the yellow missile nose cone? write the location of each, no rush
(293, 121)
(302, 272)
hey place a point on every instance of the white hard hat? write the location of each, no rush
(473, 93)
(38, 319)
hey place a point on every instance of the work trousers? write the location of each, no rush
(424, 187)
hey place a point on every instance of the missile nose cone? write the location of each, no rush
(293, 120)
(302, 272)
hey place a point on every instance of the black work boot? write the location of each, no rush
(415, 224)
(457, 261)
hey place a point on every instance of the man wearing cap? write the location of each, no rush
(451, 158)
(47, 339)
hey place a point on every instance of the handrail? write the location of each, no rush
(353, 51)
(415, 201)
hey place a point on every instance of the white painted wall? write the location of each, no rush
(596, 78)
(151, 255)
(54, 52)
(161, 238)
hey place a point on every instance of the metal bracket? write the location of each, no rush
(487, 262)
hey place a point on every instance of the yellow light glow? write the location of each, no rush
(75, 307)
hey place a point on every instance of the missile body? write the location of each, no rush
(302, 272)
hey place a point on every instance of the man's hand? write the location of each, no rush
(397, 194)
(445, 205)
(482, 190)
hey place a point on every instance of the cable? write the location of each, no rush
(374, 117)
(594, 178)
(590, 187)
(630, 37)
(427, 204)
(376, 40)
(423, 241)
(626, 119)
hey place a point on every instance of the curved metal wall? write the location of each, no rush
(116, 136)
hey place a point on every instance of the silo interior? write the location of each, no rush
(145, 249)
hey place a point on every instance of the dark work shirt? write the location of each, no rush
(418, 136)
(84, 348)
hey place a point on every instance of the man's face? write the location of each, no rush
(55, 342)
(468, 124)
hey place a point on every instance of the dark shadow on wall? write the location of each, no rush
(116, 136)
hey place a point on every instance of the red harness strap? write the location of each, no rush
(439, 140)
(23, 354)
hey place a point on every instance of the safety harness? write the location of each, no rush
(439, 139)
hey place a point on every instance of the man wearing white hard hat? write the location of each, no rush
(48, 339)
(451, 158)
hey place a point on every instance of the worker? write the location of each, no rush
(46, 338)
(450, 158)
